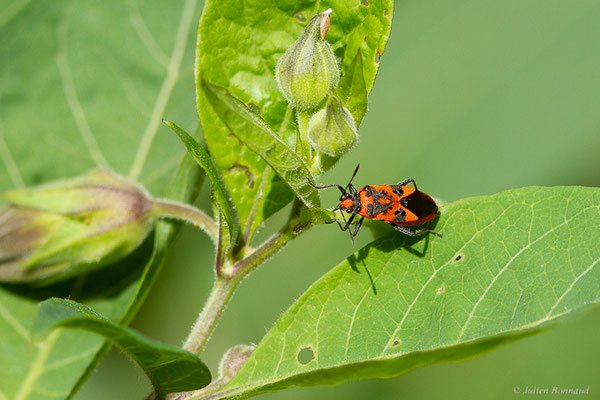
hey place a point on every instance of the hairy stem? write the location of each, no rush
(286, 120)
(173, 209)
(303, 146)
(207, 319)
(229, 275)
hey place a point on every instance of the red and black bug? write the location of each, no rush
(398, 205)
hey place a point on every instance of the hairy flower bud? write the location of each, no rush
(332, 130)
(308, 70)
(233, 359)
(69, 227)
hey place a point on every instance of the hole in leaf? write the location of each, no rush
(306, 355)
(441, 290)
(377, 56)
(300, 17)
(458, 258)
(396, 343)
(364, 3)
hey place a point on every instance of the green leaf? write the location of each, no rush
(84, 86)
(508, 266)
(170, 369)
(255, 133)
(353, 90)
(204, 159)
(184, 186)
(239, 44)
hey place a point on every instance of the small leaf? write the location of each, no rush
(255, 133)
(507, 267)
(222, 196)
(352, 89)
(169, 369)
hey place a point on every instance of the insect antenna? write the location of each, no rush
(326, 186)
(353, 175)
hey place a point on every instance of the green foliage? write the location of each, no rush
(85, 86)
(353, 90)
(244, 66)
(251, 130)
(220, 192)
(507, 266)
(170, 369)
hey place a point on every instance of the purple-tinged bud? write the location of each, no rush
(233, 359)
(70, 227)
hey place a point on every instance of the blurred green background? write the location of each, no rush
(472, 98)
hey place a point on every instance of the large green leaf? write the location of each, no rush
(85, 85)
(508, 266)
(239, 44)
(170, 369)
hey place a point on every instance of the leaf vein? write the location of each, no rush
(435, 272)
(9, 161)
(145, 35)
(70, 360)
(71, 93)
(282, 351)
(165, 91)
(14, 323)
(501, 271)
(37, 367)
(588, 269)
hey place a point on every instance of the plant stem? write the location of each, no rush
(173, 209)
(303, 147)
(286, 120)
(230, 275)
(208, 317)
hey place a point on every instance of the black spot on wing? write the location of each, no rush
(397, 189)
(400, 215)
(381, 208)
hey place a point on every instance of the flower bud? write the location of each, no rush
(65, 228)
(233, 359)
(308, 70)
(332, 130)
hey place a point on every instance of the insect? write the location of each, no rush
(398, 205)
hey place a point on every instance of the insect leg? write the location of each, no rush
(409, 180)
(345, 227)
(418, 232)
(358, 225)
